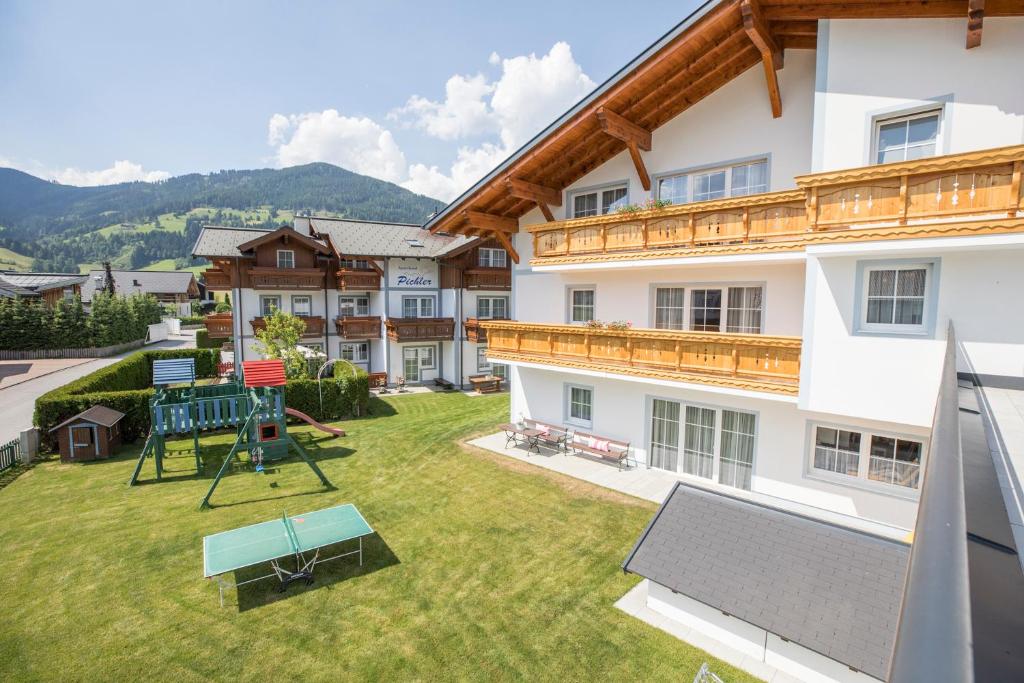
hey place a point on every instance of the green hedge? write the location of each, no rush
(343, 396)
(191, 319)
(203, 340)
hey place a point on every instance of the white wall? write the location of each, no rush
(870, 66)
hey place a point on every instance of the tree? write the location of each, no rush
(108, 279)
(279, 339)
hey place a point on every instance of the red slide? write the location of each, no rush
(314, 423)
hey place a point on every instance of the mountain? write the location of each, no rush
(138, 223)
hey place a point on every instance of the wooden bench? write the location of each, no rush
(601, 447)
(485, 384)
(552, 435)
(379, 380)
(444, 384)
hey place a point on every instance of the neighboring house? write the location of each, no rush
(169, 287)
(783, 320)
(393, 299)
(50, 287)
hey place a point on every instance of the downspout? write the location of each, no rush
(462, 338)
(327, 314)
(240, 347)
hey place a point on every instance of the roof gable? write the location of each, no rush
(286, 233)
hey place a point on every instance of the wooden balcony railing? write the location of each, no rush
(741, 361)
(262, 277)
(358, 326)
(420, 329)
(487, 278)
(356, 280)
(974, 193)
(216, 279)
(314, 326)
(218, 325)
(475, 332)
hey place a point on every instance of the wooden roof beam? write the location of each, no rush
(771, 55)
(491, 222)
(635, 137)
(505, 242)
(538, 194)
(975, 18)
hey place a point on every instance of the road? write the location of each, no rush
(18, 402)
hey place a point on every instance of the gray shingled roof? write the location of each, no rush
(367, 238)
(38, 282)
(218, 241)
(149, 282)
(828, 588)
(99, 414)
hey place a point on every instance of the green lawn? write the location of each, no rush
(168, 264)
(12, 260)
(483, 569)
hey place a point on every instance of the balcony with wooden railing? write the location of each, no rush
(358, 326)
(217, 280)
(475, 332)
(314, 325)
(420, 329)
(487, 278)
(218, 325)
(976, 193)
(358, 280)
(737, 361)
(263, 277)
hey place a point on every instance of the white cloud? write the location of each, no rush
(462, 114)
(122, 171)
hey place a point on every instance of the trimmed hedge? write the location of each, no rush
(343, 396)
(203, 340)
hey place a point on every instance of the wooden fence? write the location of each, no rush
(10, 454)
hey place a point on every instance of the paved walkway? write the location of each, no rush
(17, 402)
(17, 371)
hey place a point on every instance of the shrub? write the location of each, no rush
(222, 307)
(204, 341)
(190, 319)
(342, 396)
(27, 324)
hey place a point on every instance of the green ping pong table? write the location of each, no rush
(273, 541)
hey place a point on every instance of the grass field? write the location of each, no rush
(12, 260)
(168, 264)
(176, 222)
(484, 568)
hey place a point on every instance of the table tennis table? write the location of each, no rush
(296, 536)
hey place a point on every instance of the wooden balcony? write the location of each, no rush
(353, 280)
(217, 280)
(475, 332)
(975, 193)
(420, 329)
(736, 361)
(314, 326)
(358, 326)
(218, 325)
(487, 278)
(261, 277)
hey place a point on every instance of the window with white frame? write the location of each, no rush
(905, 138)
(302, 305)
(354, 264)
(706, 310)
(714, 183)
(598, 202)
(415, 359)
(417, 306)
(285, 258)
(895, 297)
(356, 352)
(499, 370)
(492, 307)
(353, 305)
(581, 304)
(668, 308)
(491, 258)
(268, 304)
(744, 311)
(482, 365)
(314, 346)
(863, 456)
(579, 409)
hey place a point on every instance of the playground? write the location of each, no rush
(478, 568)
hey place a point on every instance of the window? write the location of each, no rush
(482, 365)
(492, 307)
(896, 297)
(736, 461)
(285, 258)
(415, 359)
(744, 312)
(581, 305)
(354, 264)
(668, 308)
(854, 455)
(353, 305)
(499, 370)
(358, 352)
(715, 183)
(302, 305)
(314, 346)
(580, 405)
(706, 310)
(492, 258)
(269, 304)
(699, 444)
(599, 202)
(907, 137)
(418, 306)
(665, 434)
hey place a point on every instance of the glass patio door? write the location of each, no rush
(411, 365)
(665, 434)
(699, 442)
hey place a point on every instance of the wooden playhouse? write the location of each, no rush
(93, 434)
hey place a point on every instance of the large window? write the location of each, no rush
(416, 359)
(744, 312)
(598, 202)
(907, 137)
(665, 434)
(895, 297)
(714, 183)
(579, 409)
(492, 258)
(581, 304)
(736, 460)
(285, 258)
(492, 307)
(353, 305)
(357, 352)
(302, 305)
(862, 456)
(706, 310)
(738, 309)
(269, 304)
(699, 442)
(418, 306)
(668, 308)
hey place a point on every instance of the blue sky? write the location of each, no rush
(178, 87)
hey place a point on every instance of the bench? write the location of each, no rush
(553, 435)
(379, 380)
(601, 447)
(444, 384)
(485, 384)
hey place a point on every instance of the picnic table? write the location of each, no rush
(517, 434)
(485, 384)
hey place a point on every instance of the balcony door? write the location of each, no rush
(416, 359)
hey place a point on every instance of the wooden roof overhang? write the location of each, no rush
(718, 42)
(286, 234)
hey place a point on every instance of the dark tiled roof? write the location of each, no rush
(218, 241)
(830, 589)
(368, 238)
(140, 281)
(100, 415)
(38, 282)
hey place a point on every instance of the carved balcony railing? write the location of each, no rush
(218, 325)
(262, 277)
(314, 326)
(487, 278)
(420, 329)
(975, 193)
(217, 280)
(740, 361)
(358, 280)
(358, 326)
(475, 332)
